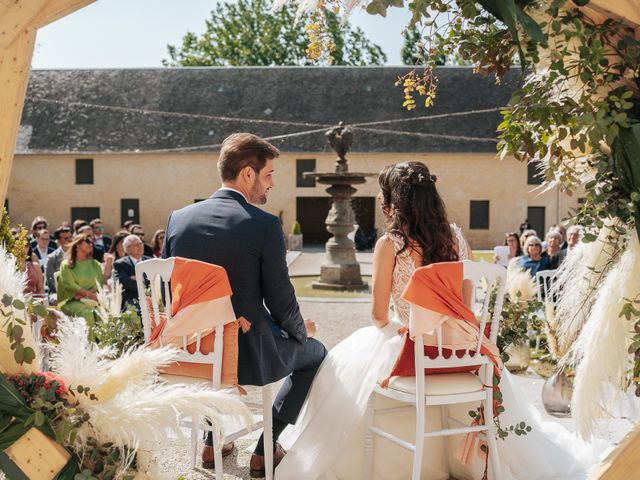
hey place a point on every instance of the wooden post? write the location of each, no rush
(15, 64)
(623, 463)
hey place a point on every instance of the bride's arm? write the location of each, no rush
(384, 259)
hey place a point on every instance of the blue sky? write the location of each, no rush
(134, 33)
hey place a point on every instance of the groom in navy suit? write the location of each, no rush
(228, 230)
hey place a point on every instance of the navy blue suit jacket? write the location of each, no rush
(123, 270)
(248, 242)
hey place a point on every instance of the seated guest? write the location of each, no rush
(156, 243)
(79, 276)
(33, 273)
(63, 237)
(42, 248)
(563, 234)
(511, 240)
(117, 249)
(98, 251)
(77, 225)
(99, 238)
(139, 231)
(574, 236)
(554, 239)
(533, 261)
(526, 234)
(124, 270)
(38, 223)
(127, 225)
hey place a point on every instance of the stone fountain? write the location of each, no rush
(340, 270)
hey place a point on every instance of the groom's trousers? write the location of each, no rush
(296, 386)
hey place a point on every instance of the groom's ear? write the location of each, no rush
(247, 174)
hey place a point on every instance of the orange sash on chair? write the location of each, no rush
(199, 303)
(437, 291)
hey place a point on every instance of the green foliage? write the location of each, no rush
(248, 33)
(123, 331)
(14, 324)
(296, 229)
(413, 50)
(518, 318)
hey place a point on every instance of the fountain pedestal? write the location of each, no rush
(340, 270)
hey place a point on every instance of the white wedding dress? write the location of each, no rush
(327, 441)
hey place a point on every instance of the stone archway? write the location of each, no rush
(19, 23)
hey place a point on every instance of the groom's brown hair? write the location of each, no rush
(242, 150)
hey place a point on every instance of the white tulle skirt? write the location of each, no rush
(327, 440)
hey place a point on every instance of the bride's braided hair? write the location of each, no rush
(416, 212)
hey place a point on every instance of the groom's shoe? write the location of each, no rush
(207, 454)
(256, 465)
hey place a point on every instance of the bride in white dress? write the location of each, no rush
(327, 440)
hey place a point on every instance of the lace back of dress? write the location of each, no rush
(404, 268)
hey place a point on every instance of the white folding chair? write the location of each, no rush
(544, 282)
(157, 272)
(448, 388)
(544, 292)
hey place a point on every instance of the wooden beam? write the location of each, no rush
(623, 10)
(623, 463)
(15, 63)
(56, 9)
(17, 18)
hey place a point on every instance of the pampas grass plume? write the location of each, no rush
(602, 346)
(12, 283)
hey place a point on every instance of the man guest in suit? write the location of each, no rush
(228, 230)
(124, 270)
(99, 238)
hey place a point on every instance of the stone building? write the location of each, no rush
(139, 143)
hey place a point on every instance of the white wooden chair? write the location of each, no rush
(448, 388)
(158, 272)
(544, 290)
(544, 282)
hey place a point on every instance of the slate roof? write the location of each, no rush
(194, 109)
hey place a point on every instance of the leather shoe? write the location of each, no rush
(208, 458)
(256, 464)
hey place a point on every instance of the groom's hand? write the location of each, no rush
(311, 328)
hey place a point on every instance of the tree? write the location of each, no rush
(248, 33)
(413, 50)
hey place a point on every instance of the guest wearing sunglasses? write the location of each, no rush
(79, 277)
(533, 260)
(139, 231)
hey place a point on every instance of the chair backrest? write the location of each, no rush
(544, 282)
(483, 292)
(158, 272)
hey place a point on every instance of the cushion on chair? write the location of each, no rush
(205, 370)
(202, 371)
(442, 384)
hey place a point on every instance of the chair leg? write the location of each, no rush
(369, 419)
(267, 421)
(217, 457)
(444, 412)
(418, 448)
(195, 427)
